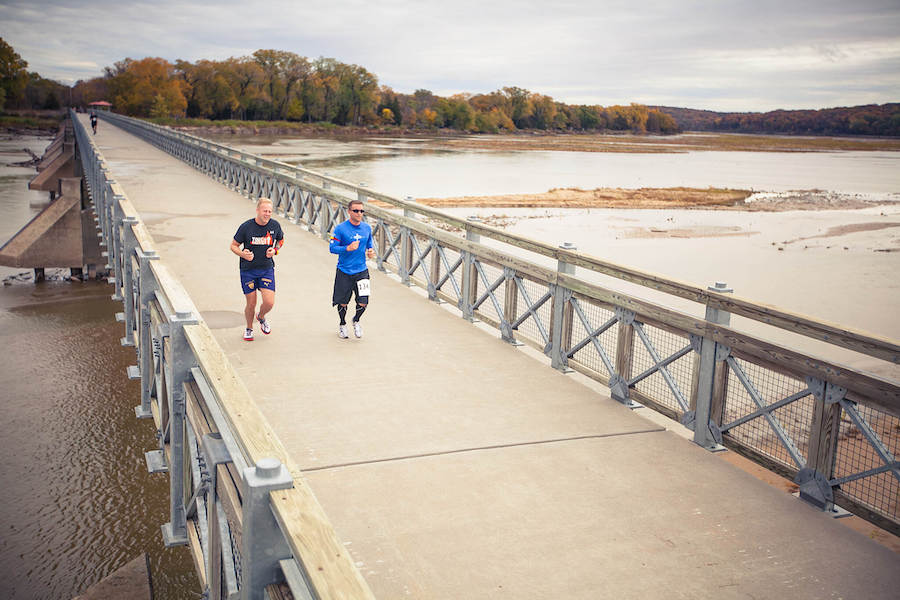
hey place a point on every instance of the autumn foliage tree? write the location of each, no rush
(147, 87)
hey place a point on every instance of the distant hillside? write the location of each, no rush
(871, 119)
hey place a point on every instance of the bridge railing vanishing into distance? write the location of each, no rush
(228, 472)
(835, 430)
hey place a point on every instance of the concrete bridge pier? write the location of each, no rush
(64, 233)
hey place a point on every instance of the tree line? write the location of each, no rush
(870, 119)
(274, 85)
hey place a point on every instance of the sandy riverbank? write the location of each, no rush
(662, 198)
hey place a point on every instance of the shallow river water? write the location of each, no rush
(76, 501)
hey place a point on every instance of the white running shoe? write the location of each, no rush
(264, 325)
(357, 329)
(248, 335)
(342, 332)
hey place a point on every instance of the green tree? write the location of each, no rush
(283, 73)
(13, 75)
(520, 106)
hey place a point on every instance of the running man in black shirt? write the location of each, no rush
(256, 242)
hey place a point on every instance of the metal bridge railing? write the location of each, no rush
(222, 458)
(834, 429)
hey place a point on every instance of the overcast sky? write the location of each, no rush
(721, 55)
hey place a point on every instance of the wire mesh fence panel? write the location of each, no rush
(781, 433)
(530, 327)
(588, 355)
(669, 385)
(856, 454)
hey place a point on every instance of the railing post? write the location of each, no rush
(115, 247)
(510, 306)
(435, 273)
(561, 316)
(325, 223)
(825, 427)
(469, 275)
(262, 543)
(179, 365)
(216, 453)
(146, 291)
(406, 246)
(618, 382)
(129, 243)
(711, 376)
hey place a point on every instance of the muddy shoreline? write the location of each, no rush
(662, 198)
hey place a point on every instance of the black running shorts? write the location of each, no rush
(346, 285)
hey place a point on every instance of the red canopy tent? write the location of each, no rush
(101, 104)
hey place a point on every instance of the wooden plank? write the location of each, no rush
(142, 235)
(196, 550)
(175, 293)
(309, 532)
(845, 337)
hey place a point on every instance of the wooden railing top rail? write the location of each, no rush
(846, 337)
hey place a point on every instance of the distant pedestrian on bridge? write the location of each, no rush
(352, 242)
(256, 242)
(94, 122)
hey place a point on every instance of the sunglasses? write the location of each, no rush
(357, 210)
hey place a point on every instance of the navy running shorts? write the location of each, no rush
(257, 279)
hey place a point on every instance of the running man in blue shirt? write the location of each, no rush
(352, 242)
(256, 241)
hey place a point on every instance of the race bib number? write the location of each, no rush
(362, 287)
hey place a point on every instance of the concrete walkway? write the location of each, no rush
(456, 466)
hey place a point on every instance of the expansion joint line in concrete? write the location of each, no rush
(481, 448)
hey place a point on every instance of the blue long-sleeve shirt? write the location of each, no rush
(345, 234)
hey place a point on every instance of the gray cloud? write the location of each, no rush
(726, 55)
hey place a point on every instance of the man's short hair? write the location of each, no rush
(262, 201)
(352, 202)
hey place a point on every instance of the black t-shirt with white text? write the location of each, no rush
(258, 238)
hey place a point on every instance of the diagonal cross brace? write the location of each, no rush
(593, 337)
(448, 275)
(766, 412)
(660, 365)
(883, 452)
(531, 310)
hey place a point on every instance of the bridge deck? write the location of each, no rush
(456, 466)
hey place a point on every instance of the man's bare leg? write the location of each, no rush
(250, 308)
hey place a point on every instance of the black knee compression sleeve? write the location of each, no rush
(360, 309)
